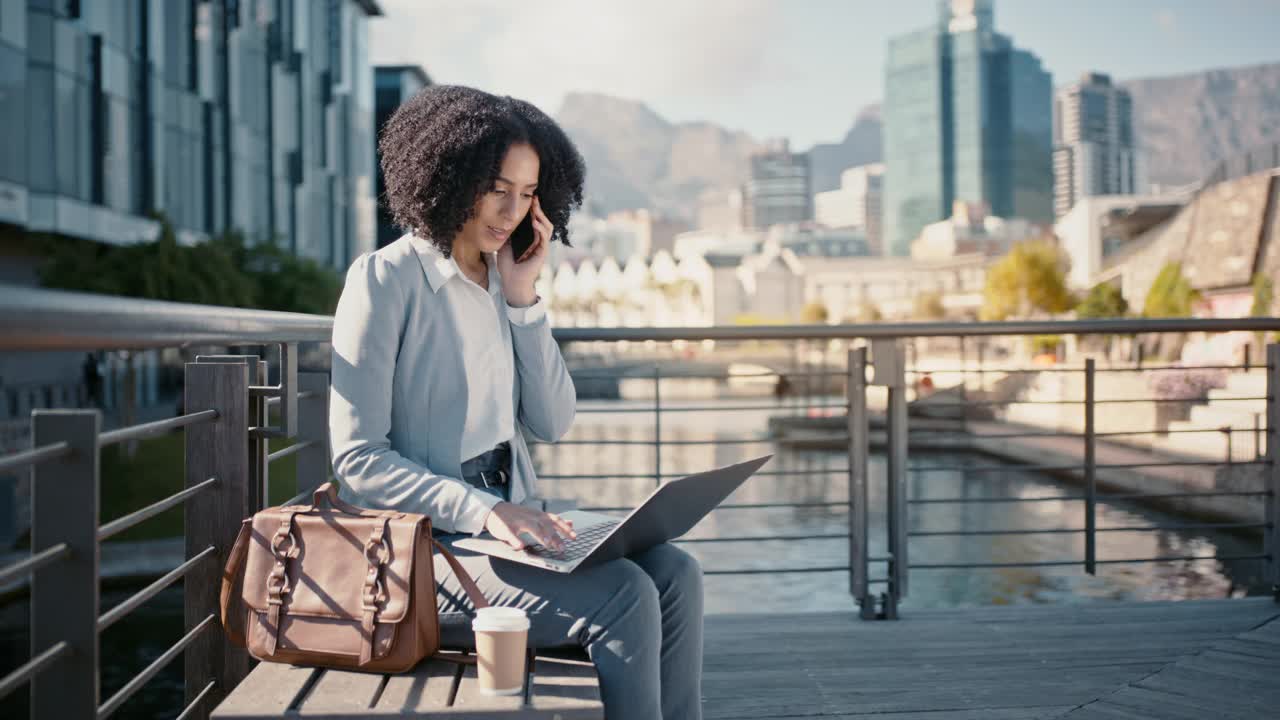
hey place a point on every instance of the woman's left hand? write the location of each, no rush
(518, 277)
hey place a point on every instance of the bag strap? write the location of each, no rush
(230, 575)
(328, 492)
(464, 578)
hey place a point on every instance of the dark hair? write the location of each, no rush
(444, 147)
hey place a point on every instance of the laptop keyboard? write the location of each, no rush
(579, 546)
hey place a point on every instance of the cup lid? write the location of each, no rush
(500, 619)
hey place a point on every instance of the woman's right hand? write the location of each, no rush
(507, 521)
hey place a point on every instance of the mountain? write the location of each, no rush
(861, 145)
(1186, 124)
(635, 158)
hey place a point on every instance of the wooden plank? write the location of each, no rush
(1040, 712)
(1269, 633)
(565, 687)
(214, 449)
(1228, 694)
(1244, 668)
(313, 464)
(340, 692)
(470, 703)
(1127, 660)
(426, 687)
(268, 691)
(1173, 707)
(64, 595)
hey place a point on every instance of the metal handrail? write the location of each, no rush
(1067, 563)
(158, 427)
(112, 616)
(42, 319)
(33, 456)
(125, 522)
(287, 451)
(1118, 326)
(1120, 528)
(34, 562)
(195, 702)
(32, 667)
(110, 706)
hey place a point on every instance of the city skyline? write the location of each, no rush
(781, 56)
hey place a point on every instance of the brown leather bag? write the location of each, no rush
(336, 586)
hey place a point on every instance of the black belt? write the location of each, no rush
(489, 469)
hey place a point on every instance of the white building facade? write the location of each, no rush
(855, 204)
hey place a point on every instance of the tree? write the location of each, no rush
(1103, 301)
(1030, 280)
(814, 313)
(1263, 298)
(866, 314)
(225, 271)
(928, 306)
(1171, 295)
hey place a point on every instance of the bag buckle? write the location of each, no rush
(493, 478)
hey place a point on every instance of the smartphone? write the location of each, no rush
(522, 237)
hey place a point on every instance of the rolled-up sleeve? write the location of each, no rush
(548, 400)
(366, 338)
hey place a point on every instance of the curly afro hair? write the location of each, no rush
(444, 147)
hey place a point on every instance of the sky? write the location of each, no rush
(799, 69)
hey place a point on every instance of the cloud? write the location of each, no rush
(659, 49)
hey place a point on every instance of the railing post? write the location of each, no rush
(64, 594)
(1090, 472)
(1272, 468)
(657, 426)
(219, 449)
(260, 445)
(856, 393)
(889, 364)
(313, 426)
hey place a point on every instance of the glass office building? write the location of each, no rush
(249, 115)
(968, 117)
(780, 189)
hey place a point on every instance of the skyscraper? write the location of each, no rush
(220, 114)
(1094, 150)
(779, 188)
(967, 118)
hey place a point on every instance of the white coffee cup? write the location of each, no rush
(502, 635)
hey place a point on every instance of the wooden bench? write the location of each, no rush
(560, 685)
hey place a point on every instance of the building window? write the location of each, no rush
(335, 41)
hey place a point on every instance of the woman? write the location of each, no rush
(443, 359)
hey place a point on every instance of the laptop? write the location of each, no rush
(670, 511)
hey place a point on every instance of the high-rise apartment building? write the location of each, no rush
(855, 204)
(968, 117)
(779, 188)
(247, 115)
(1094, 150)
(393, 84)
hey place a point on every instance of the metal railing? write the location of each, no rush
(227, 424)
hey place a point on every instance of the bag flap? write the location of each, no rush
(328, 572)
